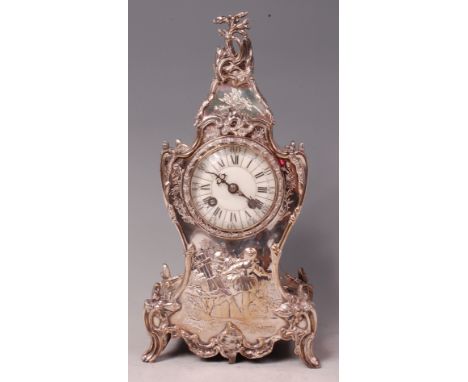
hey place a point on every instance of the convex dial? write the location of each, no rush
(234, 187)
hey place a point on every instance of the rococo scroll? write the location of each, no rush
(234, 197)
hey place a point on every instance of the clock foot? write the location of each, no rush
(157, 345)
(306, 351)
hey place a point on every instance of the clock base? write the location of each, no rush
(250, 330)
(304, 349)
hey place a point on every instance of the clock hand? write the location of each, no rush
(220, 178)
(233, 188)
(212, 173)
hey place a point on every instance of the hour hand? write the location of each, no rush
(220, 178)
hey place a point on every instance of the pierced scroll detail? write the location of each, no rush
(226, 297)
(231, 298)
(234, 62)
(176, 193)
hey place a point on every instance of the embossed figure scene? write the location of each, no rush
(234, 197)
(227, 288)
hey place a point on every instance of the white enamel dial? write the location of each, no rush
(233, 187)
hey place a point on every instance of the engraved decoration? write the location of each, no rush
(231, 298)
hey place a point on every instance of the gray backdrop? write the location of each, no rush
(171, 52)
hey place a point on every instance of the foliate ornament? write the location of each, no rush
(235, 124)
(234, 197)
(234, 62)
(234, 100)
(175, 192)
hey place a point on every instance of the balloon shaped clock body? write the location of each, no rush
(234, 197)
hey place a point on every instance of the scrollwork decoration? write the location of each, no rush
(295, 308)
(231, 298)
(175, 192)
(234, 62)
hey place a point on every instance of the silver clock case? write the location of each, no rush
(231, 298)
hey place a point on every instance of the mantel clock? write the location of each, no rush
(234, 196)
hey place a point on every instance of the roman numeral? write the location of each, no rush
(267, 171)
(250, 163)
(221, 163)
(247, 213)
(233, 217)
(235, 149)
(260, 174)
(235, 159)
(217, 212)
(205, 186)
(262, 189)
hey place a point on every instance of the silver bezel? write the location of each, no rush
(216, 145)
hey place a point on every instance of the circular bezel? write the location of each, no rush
(219, 144)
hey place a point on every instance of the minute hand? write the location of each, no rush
(233, 188)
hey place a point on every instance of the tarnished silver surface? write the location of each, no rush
(231, 298)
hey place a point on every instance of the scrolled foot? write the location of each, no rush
(157, 345)
(306, 351)
(232, 358)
